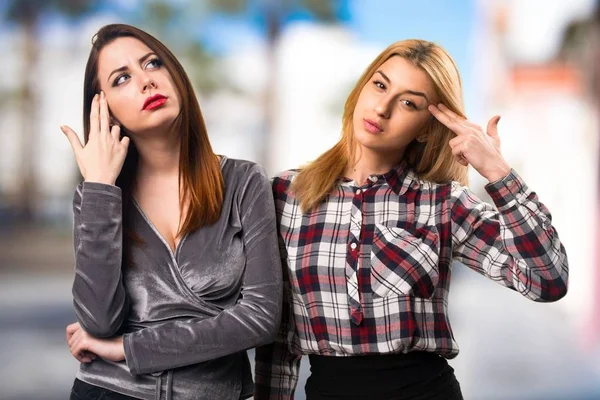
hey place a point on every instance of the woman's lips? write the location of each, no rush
(154, 102)
(372, 126)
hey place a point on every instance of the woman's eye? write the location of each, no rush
(154, 63)
(120, 79)
(379, 85)
(409, 104)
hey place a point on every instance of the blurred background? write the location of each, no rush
(272, 78)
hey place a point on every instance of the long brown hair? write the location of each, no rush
(201, 181)
(432, 160)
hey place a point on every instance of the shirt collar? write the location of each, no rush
(399, 178)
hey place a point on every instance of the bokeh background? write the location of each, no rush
(272, 78)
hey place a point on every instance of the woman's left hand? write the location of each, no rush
(84, 347)
(472, 145)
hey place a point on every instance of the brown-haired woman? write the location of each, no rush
(369, 231)
(177, 264)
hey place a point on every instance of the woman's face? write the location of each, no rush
(391, 110)
(139, 90)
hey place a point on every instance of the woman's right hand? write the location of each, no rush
(102, 157)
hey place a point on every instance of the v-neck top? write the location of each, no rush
(187, 316)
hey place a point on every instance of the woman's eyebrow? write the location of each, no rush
(124, 68)
(413, 92)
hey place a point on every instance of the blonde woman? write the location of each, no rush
(368, 232)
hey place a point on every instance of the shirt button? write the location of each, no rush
(373, 178)
(358, 192)
(510, 183)
(353, 246)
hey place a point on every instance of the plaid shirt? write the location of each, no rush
(368, 271)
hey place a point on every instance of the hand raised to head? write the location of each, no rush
(102, 157)
(472, 145)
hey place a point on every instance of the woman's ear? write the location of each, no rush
(422, 136)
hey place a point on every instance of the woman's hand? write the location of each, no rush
(86, 348)
(103, 156)
(472, 145)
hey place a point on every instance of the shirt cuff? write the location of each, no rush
(507, 191)
(129, 356)
(101, 188)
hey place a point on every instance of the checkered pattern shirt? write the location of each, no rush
(368, 271)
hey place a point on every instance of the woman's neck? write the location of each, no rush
(368, 162)
(158, 156)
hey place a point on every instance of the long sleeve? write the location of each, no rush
(516, 246)
(251, 322)
(276, 369)
(99, 296)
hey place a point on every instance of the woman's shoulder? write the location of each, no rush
(286, 176)
(238, 168)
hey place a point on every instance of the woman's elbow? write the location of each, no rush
(100, 327)
(552, 290)
(269, 327)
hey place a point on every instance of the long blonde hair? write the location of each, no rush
(432, 160)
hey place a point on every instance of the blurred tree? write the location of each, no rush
(163, 18)
(275, 15)
(27, 15)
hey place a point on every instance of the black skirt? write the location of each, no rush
(411, 376)
(84, 391)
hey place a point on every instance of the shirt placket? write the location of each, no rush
(353, 258)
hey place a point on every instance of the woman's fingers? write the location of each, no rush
(451, 122)
(102, 157)
(461, 124)
(76, 146)
(73, 339)
(78, 344)
(72, 138)
(87, 357)
(94, 117)
(125, 142)
(72, 328)
(451, 114)
(492, 127)
(115, 132)
(458, 147)
(104, 115)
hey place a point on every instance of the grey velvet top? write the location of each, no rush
(186, 317)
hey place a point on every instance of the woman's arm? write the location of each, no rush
(276, 368)
(98, 293)
(516, 246)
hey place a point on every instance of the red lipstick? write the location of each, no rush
(155, 101)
